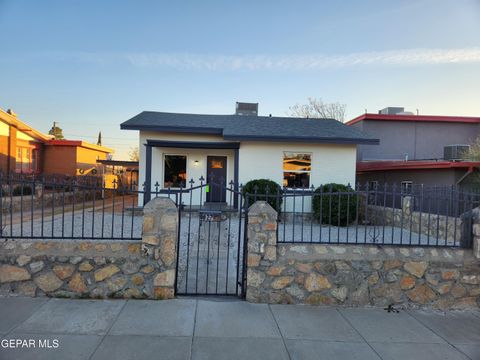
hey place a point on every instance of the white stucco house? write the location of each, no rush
(293, 152)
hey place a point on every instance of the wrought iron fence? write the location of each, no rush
(384, 215)
(84, 208)
(57, 207)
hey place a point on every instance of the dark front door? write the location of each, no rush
(216, 178)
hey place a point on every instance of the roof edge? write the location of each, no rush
(418, 118)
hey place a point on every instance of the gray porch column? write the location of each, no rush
(148, 174)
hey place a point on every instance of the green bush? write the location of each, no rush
(331, 200)
(263, 187)
(17, 190)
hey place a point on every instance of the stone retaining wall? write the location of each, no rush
(96, 269)
(355, 275)
(433, 225)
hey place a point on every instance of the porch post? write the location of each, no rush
(148, 174)
(235, 177)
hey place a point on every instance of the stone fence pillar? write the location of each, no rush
(476, 232)
(407, 205)
(159, 243)
(261, 248)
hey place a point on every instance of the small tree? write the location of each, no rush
(134, 154)
(56, 132)
(316, 108)
(264, 190)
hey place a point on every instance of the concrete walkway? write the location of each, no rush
(231, 329)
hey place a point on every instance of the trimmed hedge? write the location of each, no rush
(331, 200)
(263, 186)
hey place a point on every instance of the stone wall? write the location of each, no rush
(96, 269)
(354, 275)
(433, 225)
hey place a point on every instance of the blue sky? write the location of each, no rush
(91, 65)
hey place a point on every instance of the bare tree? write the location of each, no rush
(134, 154)
(473, 154)
(316, 108)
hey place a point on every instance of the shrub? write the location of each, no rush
(329, 202)
(263, 187)
(17, 190)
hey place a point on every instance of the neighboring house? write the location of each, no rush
(294, 152)
(21, 146)
(73, 157)
(417, 149)
(25, 150)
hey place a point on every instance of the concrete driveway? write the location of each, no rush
(228, 329)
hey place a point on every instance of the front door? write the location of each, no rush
(216, 178)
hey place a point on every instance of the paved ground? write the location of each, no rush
(226, 329)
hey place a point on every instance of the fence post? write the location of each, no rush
(476, 232)
(159, 243)
(261, 247)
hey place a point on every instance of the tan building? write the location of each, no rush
(73, 157)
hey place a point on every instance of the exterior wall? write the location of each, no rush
(193, 172)
(60, 160)
(430, 177)
(330, 163)
(355, 275)
(87, 158)
(418, 140)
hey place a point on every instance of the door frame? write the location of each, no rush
(218, 187)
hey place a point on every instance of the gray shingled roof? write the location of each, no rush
(253, 128)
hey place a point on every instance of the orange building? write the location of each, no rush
(25, 150)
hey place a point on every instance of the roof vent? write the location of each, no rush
(455, 152)
(243, 108)
(11, 112)
(391, 110)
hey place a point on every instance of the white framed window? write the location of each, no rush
(174, 171)
(297, 167)
(406, 187)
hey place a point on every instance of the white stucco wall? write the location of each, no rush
(330, 164)
(257, 160)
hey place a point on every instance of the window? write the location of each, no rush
(175, 173)
(406, 187)
(296, 169)
(26, 160)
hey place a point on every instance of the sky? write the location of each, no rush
(90, 65)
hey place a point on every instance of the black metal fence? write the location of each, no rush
(384, 215)
(58, 207)
(84, 208)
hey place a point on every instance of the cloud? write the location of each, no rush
(408, 57)
(296, 62)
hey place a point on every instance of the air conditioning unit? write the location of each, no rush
(455, 152)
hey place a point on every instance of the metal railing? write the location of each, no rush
(57, 207)
(383, 215)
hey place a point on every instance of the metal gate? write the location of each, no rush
(211, 240)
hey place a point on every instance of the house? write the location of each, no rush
(25, 150)
(294, 152)
(417, 149)
(21, 146)
(73, 157)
